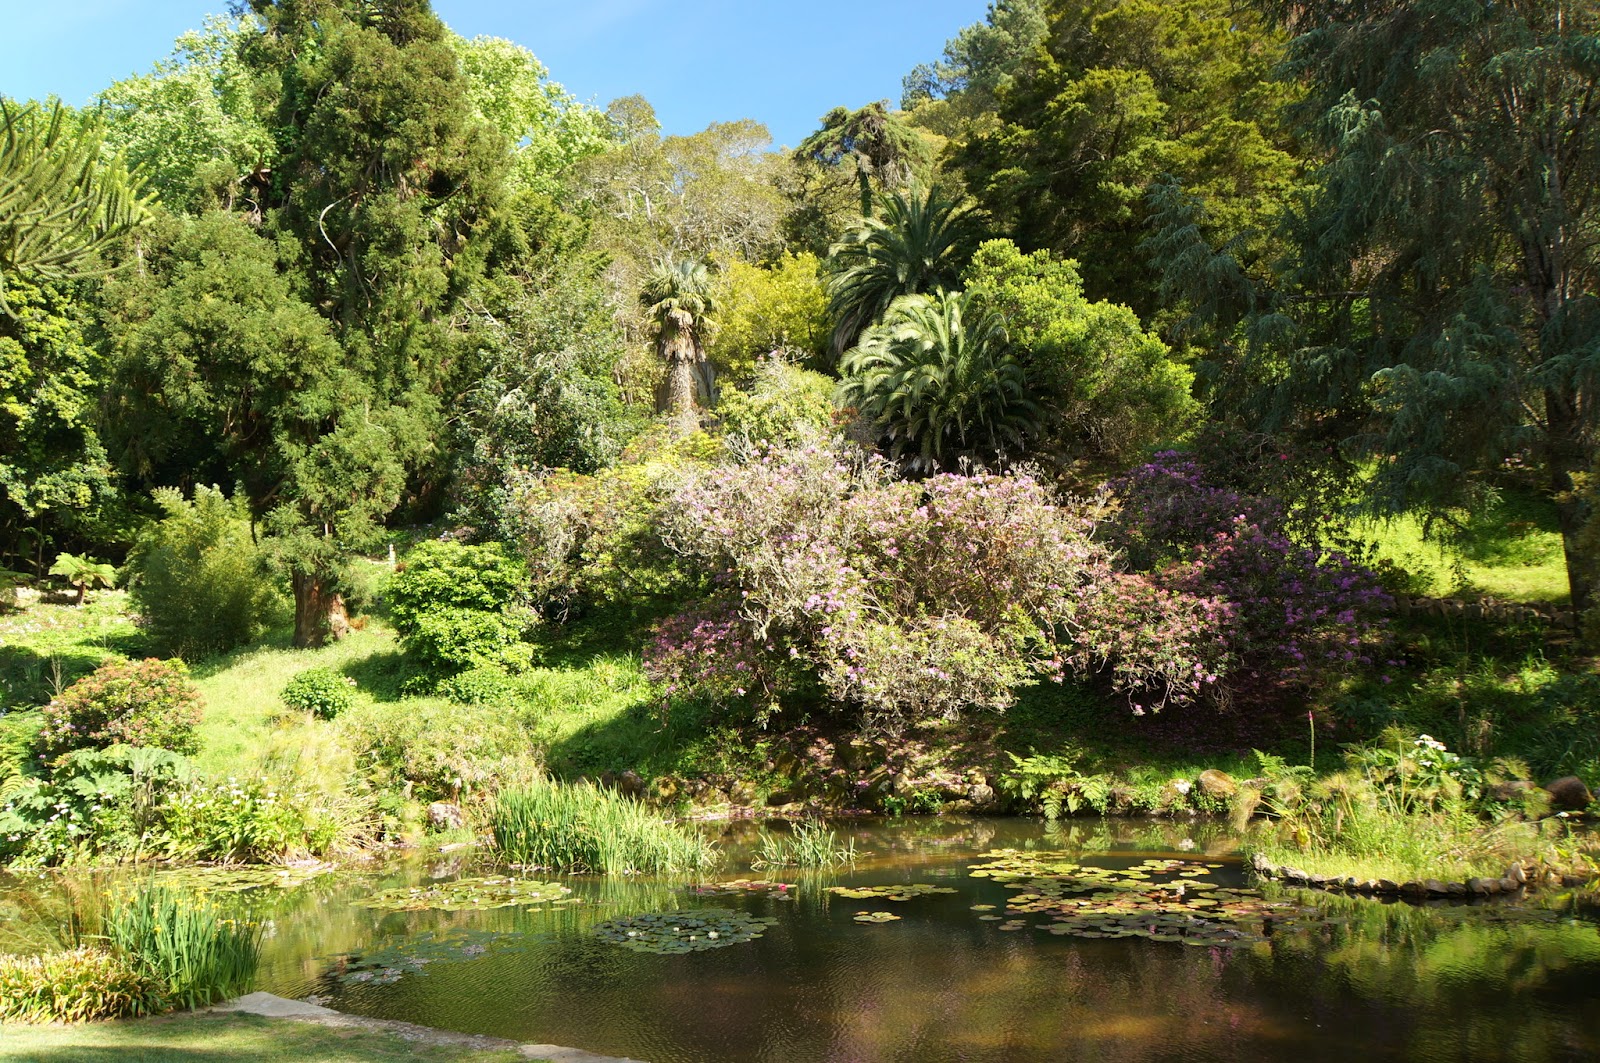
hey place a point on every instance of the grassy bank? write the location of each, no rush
(224, 1038)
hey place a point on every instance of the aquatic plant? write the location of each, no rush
(899, 891)
(185, 944)
(580, 827)
(696, 930)
(84, 984)
(470, 894)
(810, 845)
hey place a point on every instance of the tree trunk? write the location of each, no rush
(678, 388)
(1566, 455)
(319, 612)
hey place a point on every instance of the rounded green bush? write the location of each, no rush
(320, 691)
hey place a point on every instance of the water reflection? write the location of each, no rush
(1371, 982)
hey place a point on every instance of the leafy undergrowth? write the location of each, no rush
(215, 1038)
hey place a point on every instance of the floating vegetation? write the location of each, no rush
(472, 894)
(744, 886)
(897, 892)
(1157, 899)
(387, 966)
(671, 933)
(875, 917)
(241, 878)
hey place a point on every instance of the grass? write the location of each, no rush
(580, 827)
(1509, 549)
(224, 1038)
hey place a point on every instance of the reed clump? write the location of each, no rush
(185, 944)
(806, 845)
(580, 827)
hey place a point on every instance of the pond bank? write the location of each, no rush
(269, 1006)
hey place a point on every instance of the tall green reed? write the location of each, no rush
(188, 945)
(807, 845)
(580, 827)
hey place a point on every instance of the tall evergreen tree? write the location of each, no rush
(385, 186)
(1439, 308)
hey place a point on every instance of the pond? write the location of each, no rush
(950, 939)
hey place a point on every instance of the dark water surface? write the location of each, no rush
(1371, 982)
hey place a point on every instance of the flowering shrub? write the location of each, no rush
(1291, 611)
(94, 802)
(320, 691)
(255, 819)
(907, 600)
(134, 703)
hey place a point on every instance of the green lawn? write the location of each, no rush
(221, 1038)
(1510, 549)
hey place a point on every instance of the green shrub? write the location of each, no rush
(186, 945)
(319, 691)
(81, 985)
(581, 827)
(785, 404)
(484, 685)
(135, 703)
(444, 751)
(19, 737)
(199, 578)
(95, 802)
(459, 606)
(261, 819)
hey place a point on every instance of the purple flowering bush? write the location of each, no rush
(908, 601)
(131, 703)
(1290, 610)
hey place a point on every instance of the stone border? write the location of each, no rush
(274, 1007)
(1518, 879)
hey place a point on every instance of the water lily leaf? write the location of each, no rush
(469, 894)
(875, 917)
(675, 933)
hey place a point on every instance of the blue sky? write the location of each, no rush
(781, 62)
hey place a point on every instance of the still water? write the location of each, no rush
(1322, 979)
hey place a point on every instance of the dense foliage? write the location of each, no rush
(138, 703)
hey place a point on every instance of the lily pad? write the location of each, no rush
(471, 894)
(903, 891)
(388, 965)
(243, 878)
(742, 887)
(671, 933)
(875, 917)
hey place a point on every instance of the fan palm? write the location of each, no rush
(677, 296)
(921, 244)
(938, 380)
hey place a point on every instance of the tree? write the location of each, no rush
(958, 94)
(56, 479)
(921, 244)
(1107, 387)
(190, 124)
(61, 203)
(547, 127)
(765, 309)
(938, 380)
(1121, 93)
(1438, 309)
(678, 298)
(384, 193)
(879, 145)
(83, 573)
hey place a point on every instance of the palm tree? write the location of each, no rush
(938, 380)
(677, 296)
(921, 244)
(882, 146)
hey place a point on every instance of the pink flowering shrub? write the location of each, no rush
(1293, 611)
(908, 600)
(130, 703)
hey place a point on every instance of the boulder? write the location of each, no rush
(629, 784)
(1569, 794)
(1483, 887)
(1214, 783)
(445, 816)
(1510, 791)
(983, 797)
